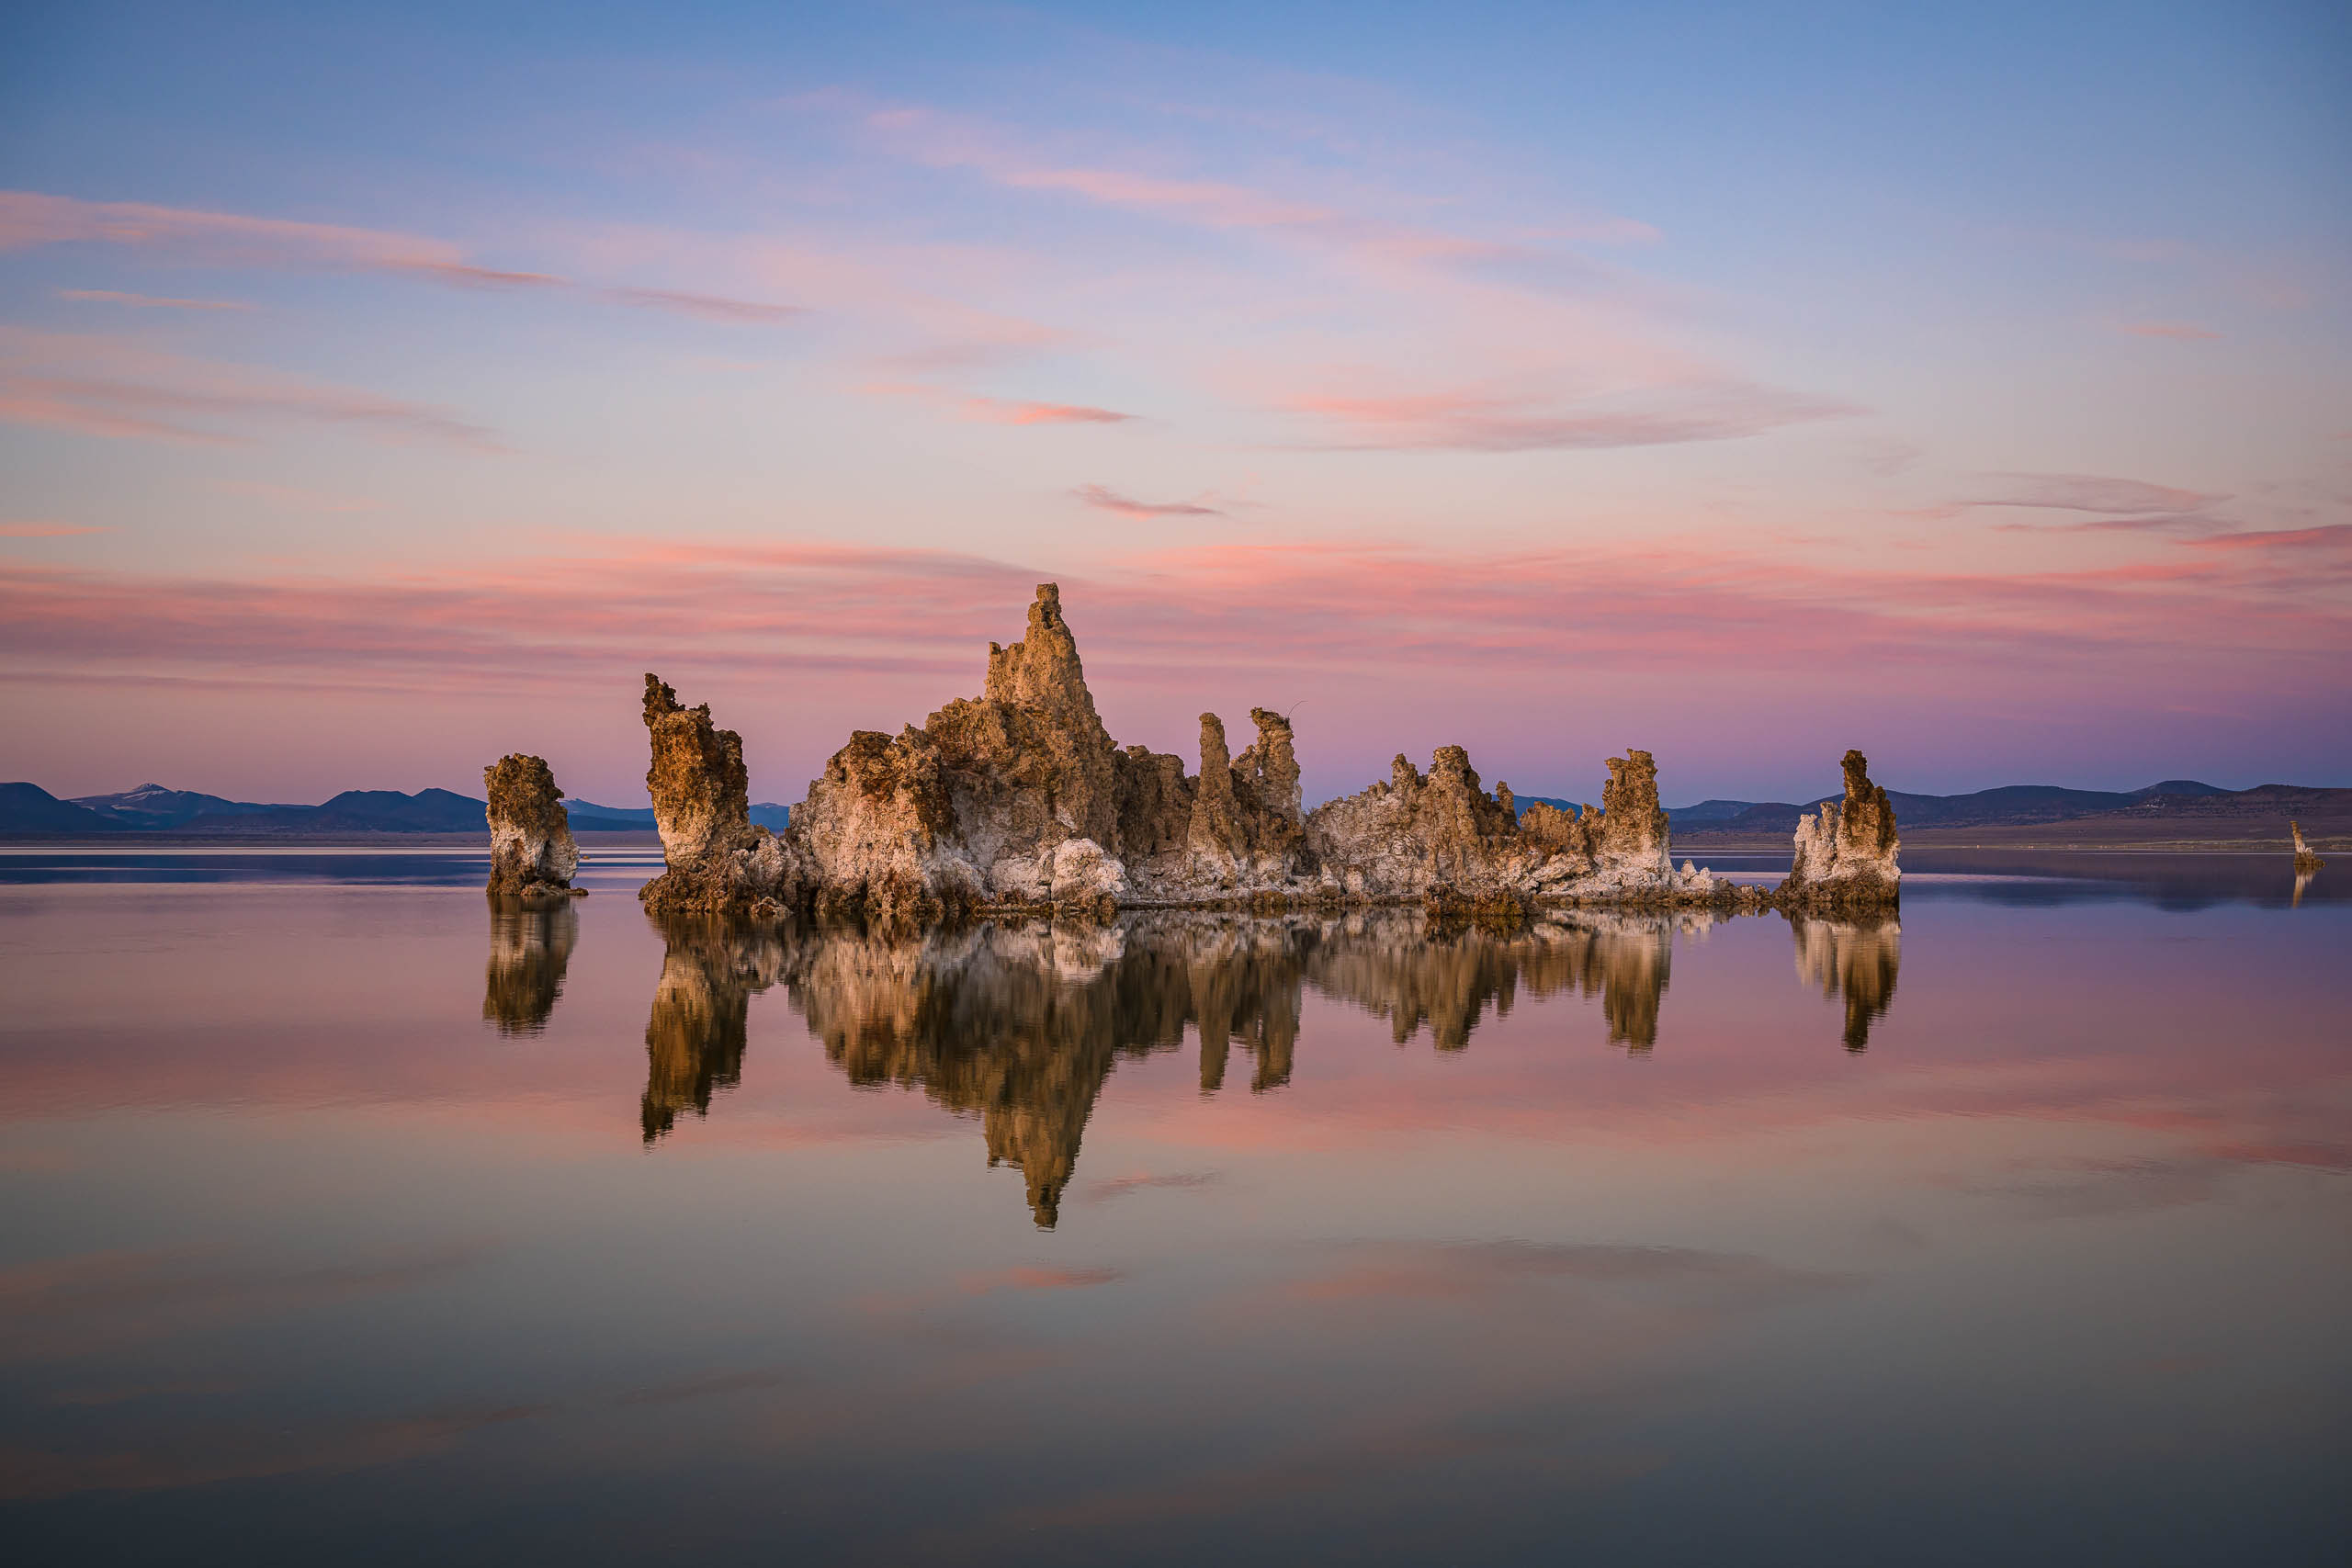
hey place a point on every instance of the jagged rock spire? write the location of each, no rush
(716, 859)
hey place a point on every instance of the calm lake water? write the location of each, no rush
(348, 1220)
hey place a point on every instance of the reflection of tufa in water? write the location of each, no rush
(1855, 958)
(1021, 1023)
(1444, 974)
(530, 944)
(693, 1040)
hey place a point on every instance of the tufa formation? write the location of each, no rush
(1018, 800)
(1845, 854)
(2306, 857)
(531, 851)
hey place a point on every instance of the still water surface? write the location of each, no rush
(348, 1219)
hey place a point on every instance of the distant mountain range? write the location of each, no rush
(2009, 805)
(28, 811)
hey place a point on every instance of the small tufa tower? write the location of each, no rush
(2306, 857)
(531, 851)
(1846, 852)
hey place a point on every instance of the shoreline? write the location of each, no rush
(1696, 847)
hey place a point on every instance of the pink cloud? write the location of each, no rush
(1478, 423)
(2334, 538)
(1107, 499)
(1344, 607)
(997, 411)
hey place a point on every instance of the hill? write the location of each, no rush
(27, 811)
(2175, 808)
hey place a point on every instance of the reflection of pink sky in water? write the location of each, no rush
(344, 997)
(2079, 1154)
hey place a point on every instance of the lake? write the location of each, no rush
(350, 1219)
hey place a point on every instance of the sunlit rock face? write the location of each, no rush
(717, 862)
(1420, 837)
(1629, 840)
(694, 1036)
(1445, 840)
(1017, 799)
(530, 946)
(1243, 834)
(1854, 959)
(1845, 856)
(531, 851)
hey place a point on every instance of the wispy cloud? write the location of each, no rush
(1348, 227)
(1108, 500)
(1351, 610)
(2332, 538)
(2187, 331)
(1491, 423)
(998, 410)
(111, 386)
(2187, 523)
(708, 307)
(946, 142)
(2087, 492)
(148, 301)
(29, 219)
(984, 410)
(2116, 506)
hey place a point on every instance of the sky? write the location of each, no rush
(385, 389)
